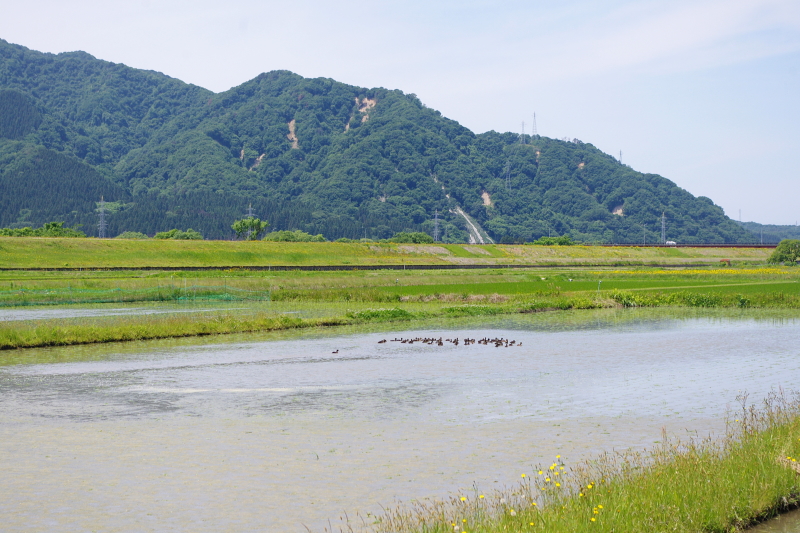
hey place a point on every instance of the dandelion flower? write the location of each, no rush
(558, 457)
(547, 479)
(523, 475)
(481, 496)
(540, 472)
(599, 506)
(558, 484)
(463, 498)
(594, 519)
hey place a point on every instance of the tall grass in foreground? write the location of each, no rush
(720, 485)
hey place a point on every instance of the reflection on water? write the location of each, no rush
(280, 430)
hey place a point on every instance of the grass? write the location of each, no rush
(712, 485)
(335, 297)
(64, 332)
(16, 252)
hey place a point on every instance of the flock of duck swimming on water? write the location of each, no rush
(499, 342)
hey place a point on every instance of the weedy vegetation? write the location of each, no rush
(720, 485)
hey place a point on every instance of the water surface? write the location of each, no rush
(275, 431)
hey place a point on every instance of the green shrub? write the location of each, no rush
(413, 237)
(50, 229)
(293, 236)
(178, 235)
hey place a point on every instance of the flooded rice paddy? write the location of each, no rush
(275, 432)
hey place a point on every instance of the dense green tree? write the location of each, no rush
(787, 251)
(250, 228)
(415, 237)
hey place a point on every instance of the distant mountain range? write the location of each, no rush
(309, 154)
(771, 233)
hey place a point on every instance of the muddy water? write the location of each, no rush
(786, 523)
(276, 432)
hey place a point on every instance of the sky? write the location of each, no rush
(703, 92)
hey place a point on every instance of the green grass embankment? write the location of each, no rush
(65, 332)
(21, 252)
(722, 485)
(410, 296)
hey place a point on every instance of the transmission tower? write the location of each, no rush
(620, 157)
(534, 133)
(508, 175)
(436, 227)
(101, 224)
(663, 228)
(522, 137)
(250, 214)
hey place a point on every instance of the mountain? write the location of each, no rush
(310, 154)
(771, 233)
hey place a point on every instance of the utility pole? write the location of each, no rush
(620, 157)
(663, 228)
(522, 137)
(101, 225)
(436, 227)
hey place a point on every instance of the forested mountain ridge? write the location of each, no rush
(310, 154)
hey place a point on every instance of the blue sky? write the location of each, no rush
(703, 92)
